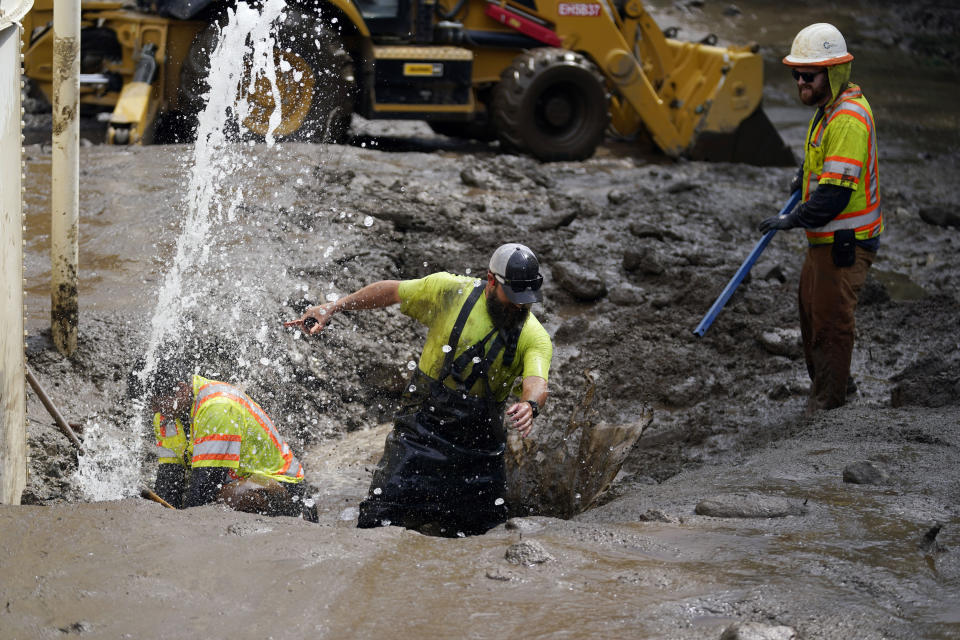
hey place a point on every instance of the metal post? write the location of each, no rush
(13, 431)
(64, 228)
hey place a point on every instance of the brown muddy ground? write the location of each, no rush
(662, 238)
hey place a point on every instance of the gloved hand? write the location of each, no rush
(797, 183)
(788, 221)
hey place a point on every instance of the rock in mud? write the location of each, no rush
(625, 294)
(617, 196)
(940, 216)
(656, 515)
(864, 472)
(682, 186)
(523, 525)
(646, 230)
(581, 283)
(929, 544)
(527, 553)
(775, 273)
(930, 382)
(552, 223)
(645, 261)
(77, 627)
(500, 575)
(782, 342)
(758, 631)
(473, 177)
(749, 505)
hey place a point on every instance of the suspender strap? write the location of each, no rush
(481, 368)
(473, 353)
(457, 330)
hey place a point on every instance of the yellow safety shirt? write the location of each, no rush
(436, 301)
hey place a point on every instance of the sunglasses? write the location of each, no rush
(520, 285)
(806, 75)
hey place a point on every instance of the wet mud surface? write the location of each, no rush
(635, 248)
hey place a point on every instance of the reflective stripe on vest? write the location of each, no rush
(863, 213)
(168, 427)
(217, 447)
(291, 466)
(163, 452)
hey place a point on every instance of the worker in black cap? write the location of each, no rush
(442, 470)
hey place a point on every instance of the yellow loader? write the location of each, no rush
(549, 78)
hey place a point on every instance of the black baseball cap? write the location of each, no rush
(517, 270)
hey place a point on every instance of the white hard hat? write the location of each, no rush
(819, 45)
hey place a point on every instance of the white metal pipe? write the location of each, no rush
(64, 228)
(13, 432)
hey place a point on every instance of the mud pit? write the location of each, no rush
(663, 238)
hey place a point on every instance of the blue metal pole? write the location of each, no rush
(743, 270)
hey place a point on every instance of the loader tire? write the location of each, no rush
(552, 104)
(316, 93)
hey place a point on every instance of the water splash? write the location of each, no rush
(110, 468)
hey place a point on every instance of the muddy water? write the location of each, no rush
(850, 567)
(127, 222)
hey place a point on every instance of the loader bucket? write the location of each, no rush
(755, 141)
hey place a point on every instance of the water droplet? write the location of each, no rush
(476, 359)
(412, 388)
(446, 348)
(411, 365)
(377, 491)
(386, 523)
(368, 221)
(498, 501)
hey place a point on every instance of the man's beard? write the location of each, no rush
(815, 97)
(505, 317)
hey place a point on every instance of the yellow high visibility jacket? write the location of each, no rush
(230, 430)
(436, 299)
(842, 150)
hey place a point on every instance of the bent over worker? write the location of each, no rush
(214, 443)
(840, 208)
(442, 470)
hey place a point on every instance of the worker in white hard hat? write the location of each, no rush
(839, 209)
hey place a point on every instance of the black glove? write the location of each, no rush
(788, 221)
(797, 183)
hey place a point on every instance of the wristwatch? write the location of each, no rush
(536, 408)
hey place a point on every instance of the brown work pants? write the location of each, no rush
(828, 300)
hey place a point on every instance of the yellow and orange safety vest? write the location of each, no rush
(228, 429)
(841, 149)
